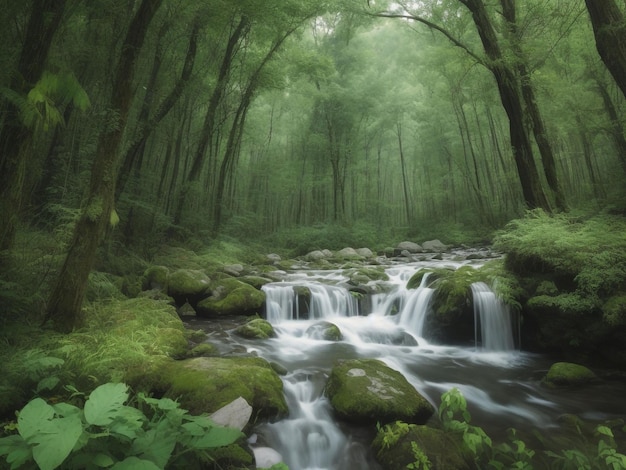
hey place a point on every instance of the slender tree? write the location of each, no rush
(609, 29)
(66, 299)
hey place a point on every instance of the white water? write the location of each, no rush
(494, 319)
(500, 384)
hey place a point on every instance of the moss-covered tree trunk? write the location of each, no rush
(66, 299)
(609, 30)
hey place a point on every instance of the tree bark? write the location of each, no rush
(508, 87)
(528, 94)
(66, 299)
(609, 30)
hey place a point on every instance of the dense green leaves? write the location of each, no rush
(108, 433)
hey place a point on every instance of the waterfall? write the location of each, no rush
(416, 307)
(331, 301)
(494, 318)
(309, 438)
(280, 303)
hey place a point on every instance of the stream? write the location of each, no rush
(501, 383)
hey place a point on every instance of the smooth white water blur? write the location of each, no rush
(494, 318)
(501, 385)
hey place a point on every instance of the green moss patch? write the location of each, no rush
(368, 391)
(205, 384)
(565, 374)
(256, 328)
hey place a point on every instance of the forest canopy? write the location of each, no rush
(143, 122)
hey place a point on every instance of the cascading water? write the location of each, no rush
(494, 318)
(501, 384)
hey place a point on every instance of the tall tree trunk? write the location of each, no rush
(617, 130)
(528, 93)
(209, 126)
(405, 187)
(15, 138)
(508, 87)
(609, 30)
(66, 299)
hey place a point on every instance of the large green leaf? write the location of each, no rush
(33, 416)
(57, 440)
(217, 437)
(105, 403)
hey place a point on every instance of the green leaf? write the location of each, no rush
(55, 441)
(133, 463)
(156, 444)
(47, 384)
(33, 416)
(16, 449)
(105, 402)
(217, 437)
(128, 421)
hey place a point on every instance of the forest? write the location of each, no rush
(203, 134)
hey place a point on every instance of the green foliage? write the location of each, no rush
(42, 106)
(109, 433)
(590, 251)
(390, 435)
(514, 453)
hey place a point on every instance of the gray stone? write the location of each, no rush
(434, 246)
(411, 247)
(364, 252)
(234, 415)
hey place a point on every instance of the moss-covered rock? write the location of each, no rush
(256, 328)
(205, 384)
(324, 330)
(203, 349)
(187, 285)
(368, 391)
(155, 277)
(567, 374)
(231, 297)
(399, 444)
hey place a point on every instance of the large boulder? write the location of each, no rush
(366, 391)
(257, 328)
(399, 445)
(324, 330)
(206, 384)
(155, 277)
(187, 285)
(434, 246)
(348, 253)
(411, 247)
(567, 374)
(231, 297)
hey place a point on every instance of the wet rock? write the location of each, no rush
(324, 330)
(434, 246)
(231, 297)
(315, 256)
(567, 374)
(234, 270)
(273, 258)
(348, 253)
(411, 247)
(256, 328)
(366, 391)
(364, 252)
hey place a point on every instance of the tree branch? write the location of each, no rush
(436, 27)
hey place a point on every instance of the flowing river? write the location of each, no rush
(501, 383)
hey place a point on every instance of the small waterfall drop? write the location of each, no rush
(416, 307)
(280, 303)
(494, 319)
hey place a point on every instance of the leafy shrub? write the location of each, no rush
(108, 433)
